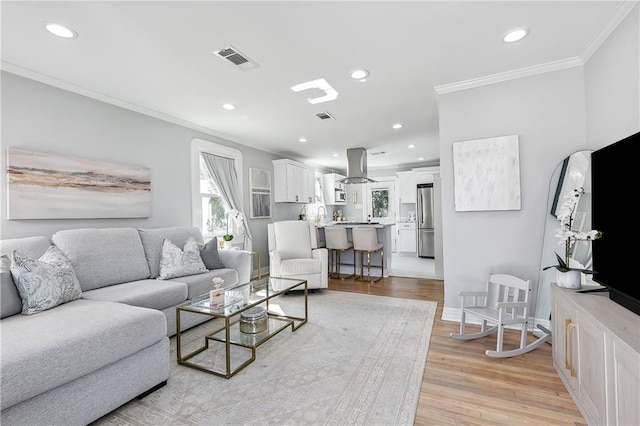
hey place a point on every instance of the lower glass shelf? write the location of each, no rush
(274, 326)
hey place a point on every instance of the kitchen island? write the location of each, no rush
(384, 236)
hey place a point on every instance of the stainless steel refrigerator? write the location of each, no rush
(426, 238)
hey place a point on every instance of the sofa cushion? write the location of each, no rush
(209, 254)
(31, 246)
(103, 257)
(41, 352)
(176, 262)
(300, 266)
(10, 301)
(152, 242)
(44, 283)
(148, 293)
(201, 283)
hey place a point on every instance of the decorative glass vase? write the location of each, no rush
(570, 279)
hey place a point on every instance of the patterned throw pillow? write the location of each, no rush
(44, 283)
(178, 263)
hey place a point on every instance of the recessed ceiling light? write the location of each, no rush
(60, 30)
(397, 126)
(229, 106)
(411, 146)
(335, 155)
(420, 158)
(303, 140)
(515, 35)
(359, 75)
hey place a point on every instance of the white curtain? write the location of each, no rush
(224, 174)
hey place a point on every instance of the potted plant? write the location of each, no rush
(567, 276)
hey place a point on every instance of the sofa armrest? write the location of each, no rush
(323, 255)
(240, 260)
(274, 263)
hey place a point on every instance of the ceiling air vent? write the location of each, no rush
(235, 57)
(379, 153)
(324, 115)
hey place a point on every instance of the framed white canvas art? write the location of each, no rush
(49, 186)
(487, 174)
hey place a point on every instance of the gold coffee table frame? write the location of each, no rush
(259, 292)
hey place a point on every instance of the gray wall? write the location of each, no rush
(554, 114)
(43, 118)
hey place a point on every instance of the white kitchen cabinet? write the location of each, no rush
(408, 187)
(407, 237)
(293, 182)
(596, 352)
(334, 190)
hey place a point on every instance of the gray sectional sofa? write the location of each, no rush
(82, 359)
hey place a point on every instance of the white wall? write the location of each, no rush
(554, 114)
(547, 113)
(43, 118)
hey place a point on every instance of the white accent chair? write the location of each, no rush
(505, 302)
(294, 253)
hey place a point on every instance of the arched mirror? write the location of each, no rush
(574, 172)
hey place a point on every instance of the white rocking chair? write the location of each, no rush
(505, 303)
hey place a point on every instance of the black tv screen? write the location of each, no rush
(614, 185)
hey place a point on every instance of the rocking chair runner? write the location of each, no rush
(505, 302)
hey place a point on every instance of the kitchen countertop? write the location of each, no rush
(348, 224)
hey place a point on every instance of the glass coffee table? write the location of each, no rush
(238, 299)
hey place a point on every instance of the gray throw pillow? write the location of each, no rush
(44, 283)
(179, 263)
(209, 254)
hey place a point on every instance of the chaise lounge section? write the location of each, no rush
(78, 361)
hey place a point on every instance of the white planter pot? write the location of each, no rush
(569, 279)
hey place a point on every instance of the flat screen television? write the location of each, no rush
(614, 181)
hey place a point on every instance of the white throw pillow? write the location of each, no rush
(44, 283)
(179, 263)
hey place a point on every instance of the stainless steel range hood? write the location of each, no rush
(356, 166)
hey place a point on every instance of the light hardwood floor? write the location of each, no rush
(462, 386)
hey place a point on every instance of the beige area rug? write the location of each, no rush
(358, 361)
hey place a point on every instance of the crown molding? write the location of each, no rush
(32, 75)
(509, 75)
(616, 17)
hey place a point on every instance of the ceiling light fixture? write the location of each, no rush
(303, 140)
(515, 35)
(360, 75)
(229, 106)
(420, 158)
(335, 155)
(411, 146)
(330, 93)
(60, 30)
(397, 126)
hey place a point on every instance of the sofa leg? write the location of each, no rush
(150, 391)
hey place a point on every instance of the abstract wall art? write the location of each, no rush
(486, 174)
(49, 186)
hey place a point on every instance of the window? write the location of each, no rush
(380, 203)
(210, 210)
(215, 211)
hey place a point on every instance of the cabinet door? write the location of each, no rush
(408, 187)
(308, 193)
(407, 239)
(564, 341)
(624, 385)
(591, 369)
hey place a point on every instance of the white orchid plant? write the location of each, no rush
(567, 236)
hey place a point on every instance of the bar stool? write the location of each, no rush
(337, 242)
(365, 240)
